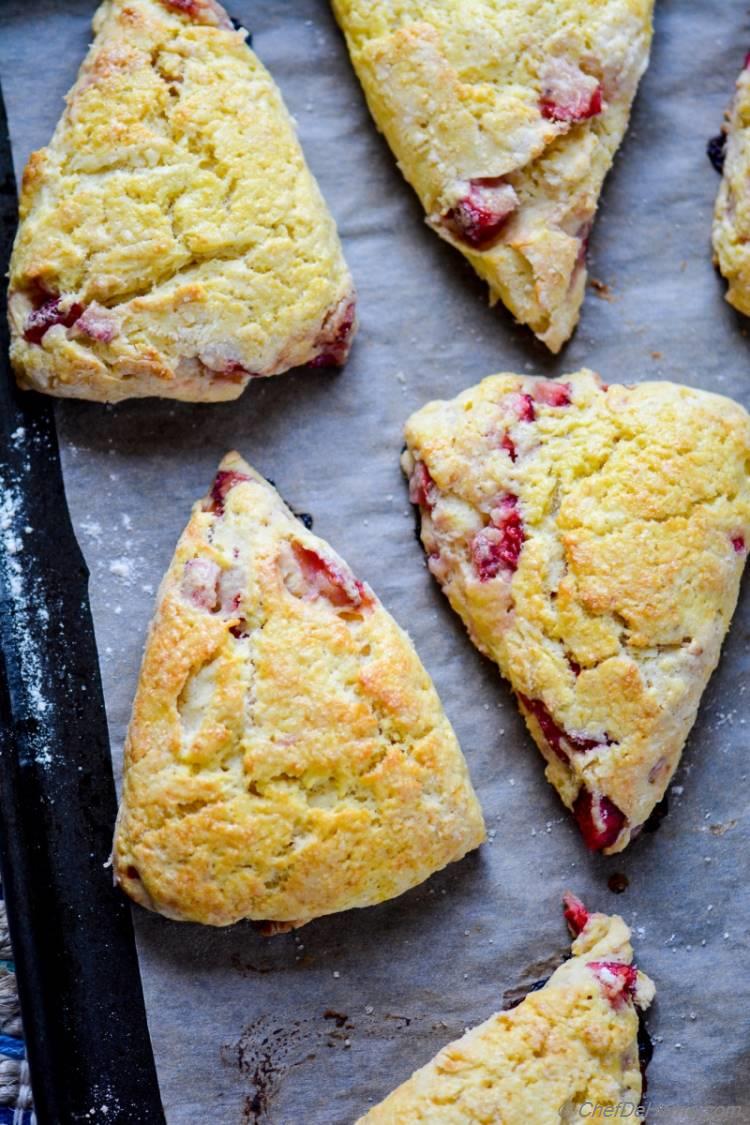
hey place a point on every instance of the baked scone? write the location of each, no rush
(288, 755)
(592, 538)
(172, 240)
(575, 1040)
(504, 116)
(731, 229)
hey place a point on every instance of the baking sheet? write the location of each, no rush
(310, 1029)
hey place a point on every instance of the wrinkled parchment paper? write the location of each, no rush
(311, 1029)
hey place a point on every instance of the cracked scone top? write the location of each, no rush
(573, 1041)
(592, 538)
(731, 228)
(504, 116)
(288, 755)
(172, 240)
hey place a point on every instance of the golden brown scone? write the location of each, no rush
(592, 538)
(172, 239)
(288, 755)
(504, 116)
(731, 231)
(575, 1041)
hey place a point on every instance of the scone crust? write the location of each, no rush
(564, 1045)
(461, 92)
(288, 755)
(633, 505)
(731, 228)
(171, 234)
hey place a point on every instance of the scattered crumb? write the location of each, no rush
(601, 289)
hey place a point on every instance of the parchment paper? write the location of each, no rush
(311, 1029)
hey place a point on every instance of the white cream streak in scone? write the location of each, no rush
(288, 755)
(504, 116)
(731, 230)
(172, 240)
(592, 538)
(574, 1041)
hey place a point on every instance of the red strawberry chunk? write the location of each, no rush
(618, 980)
(498, 546)
(569, 94)
(224, 482)
(576, 914)
(509, 446)
(552, 394)
(201, 11)
(599, 819)
(480, 214)
(422, 488)
(98, 323)
(738, 542)
(336, 340)
(525, 408)
(558, 739)
(200, 583)
(46, 316)
(326, 579)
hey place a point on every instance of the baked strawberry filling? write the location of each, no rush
(323, 578)
(498, 546)
(336, 339)
(98, 323)
(198, 10)
(599, 819)
(224, 482)
(200, 583)
(480, 214)
(576, 914)
(509, 446)
(618, 981)
(558, 739)
(552, 394)
(568, 93)
(422, 488)
(738, 542)
(47, 315)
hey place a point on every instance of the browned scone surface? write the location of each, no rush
(288, 755)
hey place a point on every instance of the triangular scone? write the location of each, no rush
(592, 538)
(172, 240)
(574, 1041)
(731, 230)
(288, 755)
(504, 116)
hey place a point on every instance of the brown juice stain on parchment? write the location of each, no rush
(266, 1051)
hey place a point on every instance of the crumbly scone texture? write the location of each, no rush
(592, 538)
(172, 240)
(573, 1041)
(504, 116)
(731, 229)
(288, 755)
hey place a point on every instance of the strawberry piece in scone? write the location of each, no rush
(505, 117)
(288, 755)
(592, 538)
(173, 241)
(574, 1042)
